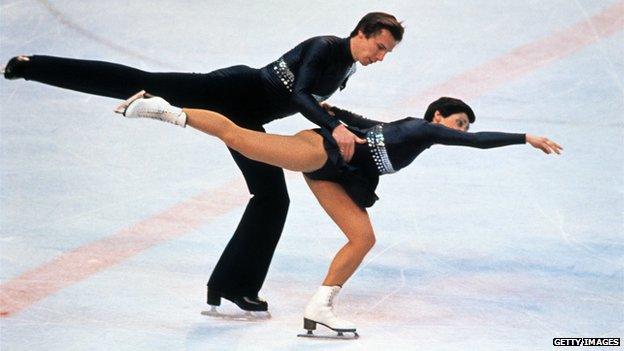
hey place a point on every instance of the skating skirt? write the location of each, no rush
(359, 177)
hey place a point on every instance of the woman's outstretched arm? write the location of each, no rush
(302, 152)
(438, 134)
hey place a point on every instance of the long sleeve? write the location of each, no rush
(311, 66)
(437, 134)
(353, 119)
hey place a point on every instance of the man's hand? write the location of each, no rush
(548, 146)
(346, 141)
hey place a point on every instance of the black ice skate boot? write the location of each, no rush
(14, 69)
(246, 303)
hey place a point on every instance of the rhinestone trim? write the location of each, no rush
(284, 74)
(377, 146)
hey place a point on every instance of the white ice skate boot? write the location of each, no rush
(140, 105)
(320, 310)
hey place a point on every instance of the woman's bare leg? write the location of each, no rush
(354, 223)
(302, 152)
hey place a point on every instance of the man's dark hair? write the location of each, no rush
(448, 106)
(374, 22)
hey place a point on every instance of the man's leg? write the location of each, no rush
(243, 266)
(118, 81)
(244, 263)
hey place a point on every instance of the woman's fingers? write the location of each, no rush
(544, 144)
(558, 146)
(545, 147)
(348, 152)
(554, 147)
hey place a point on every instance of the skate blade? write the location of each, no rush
(340, 333)
(121, 108)
(243, 316)
(338, 336)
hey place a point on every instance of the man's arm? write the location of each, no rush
(311, 67)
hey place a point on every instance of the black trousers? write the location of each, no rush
(236, 92)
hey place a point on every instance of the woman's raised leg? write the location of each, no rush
(302, 152)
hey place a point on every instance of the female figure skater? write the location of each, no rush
(344, 189)
(310, 72)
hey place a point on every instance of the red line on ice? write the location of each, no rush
(525, 59)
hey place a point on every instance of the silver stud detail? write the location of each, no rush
(378, 149)
(284, 74)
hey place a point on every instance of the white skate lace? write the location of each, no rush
(330, 299)
(159, 112)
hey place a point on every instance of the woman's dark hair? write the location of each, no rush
(374, 22)
(448, 106)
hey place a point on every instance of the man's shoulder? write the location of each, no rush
(323, 40)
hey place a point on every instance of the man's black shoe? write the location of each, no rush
(14, 69)
(247, 303)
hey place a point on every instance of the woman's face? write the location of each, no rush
(457, 121)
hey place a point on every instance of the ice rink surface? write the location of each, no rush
(109, 228)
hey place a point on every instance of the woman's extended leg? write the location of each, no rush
(302, 152)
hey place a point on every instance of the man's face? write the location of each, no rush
(374, 48)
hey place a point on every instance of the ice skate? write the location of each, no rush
(254, 307)
(143, 105)
(320, 310)
(245, 316)
(14, 68)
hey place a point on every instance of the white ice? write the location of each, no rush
(500, 249)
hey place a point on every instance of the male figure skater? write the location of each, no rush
(297, 82)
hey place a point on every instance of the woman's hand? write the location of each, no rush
(548, 146)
